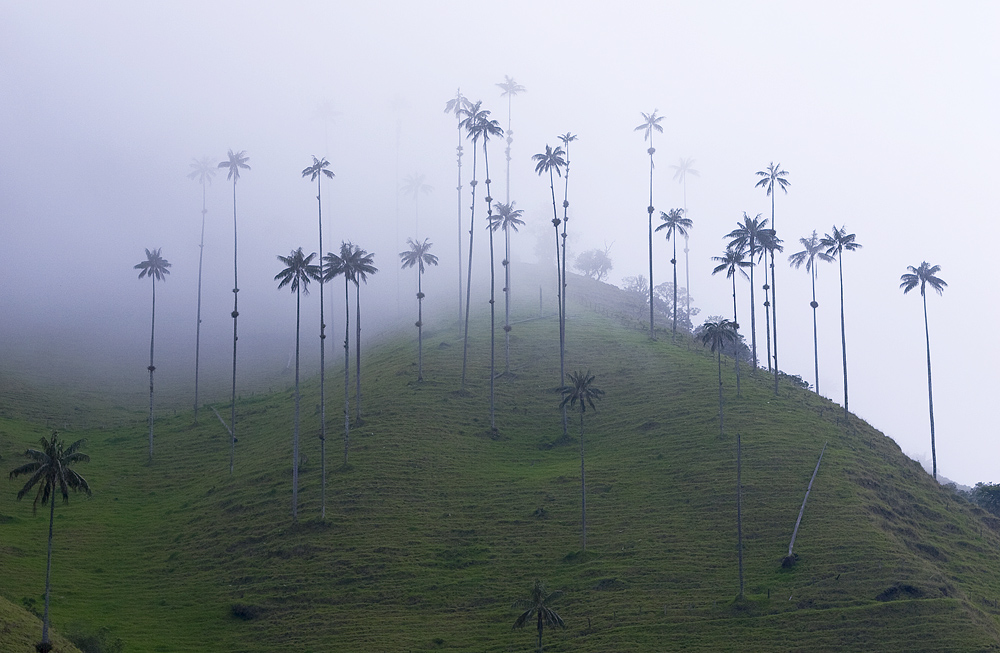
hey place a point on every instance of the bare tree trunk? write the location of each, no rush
(152, 332)
(322, 354)
(197, 332)
(295, 437)
(236, 314)
(798, 520)
(347, 368)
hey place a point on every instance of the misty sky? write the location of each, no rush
(884, 114)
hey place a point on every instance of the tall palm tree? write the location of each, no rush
(581, 389)
(203, 170)
(551, 160)
(477, 124)
(717, 334)
(771, 179)
(316, 172)
(507, 218)
(457, 105)
(419, 255)
(50, 469)
(237, 161)
(813, 250)
(566, 139)
(770, 243)
(360, 266)
(747, 237)
(732, 261)
(684, 168)
(675, 223)
(154, 267)
(413, 185)
(650, 123)
(509, 88)
(835, 245)
(537, 608)
(297, 273)
(925, 275)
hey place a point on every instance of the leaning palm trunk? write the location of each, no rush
(468, 282)
(236, 314)
(347, 367)
(789, 560)
(152, 332)
(197, 331)
(930, 388)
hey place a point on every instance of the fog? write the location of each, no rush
(885, 117)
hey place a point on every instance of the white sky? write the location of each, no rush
(885, 115)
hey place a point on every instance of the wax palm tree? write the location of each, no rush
(566, 139)
(510, 88)
(360, 265)
(419, 255)
(813, 250)
(581, 390)
(835, 245)
(684, 168)
(717, 335)
(507, 218)
(770, 243)
(771, 179)
(297, 273)
(154, 267)
(50, 470)
(746, 237)
(203, 170)
(237, 161)
(923, 276)
(733, 261)
(457, 105)
(477, 124)
(675, 223)
(316, 172)
(537, 609)
(413, 185)
(650, 123)
(551, 160)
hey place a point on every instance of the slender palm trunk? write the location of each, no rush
(815, 336)
(930, 387)
(357, 351)
(420, 324)
(774, 303)
(673, 262)
(739, 509)
(295, 435)
(767, 312)
(459, 190)
(565, 224)
(236, 314)
(583, 483)
(506, 290)
(152, 333)
(560, 286)
(737, 347)
(720, 392)
(753, 318)
(468, 281)
(541, 626)
(843, 330)
(347, 368)
(322, 355)
(197, 332)
(489, 228)
(48, 570)
(649, 209)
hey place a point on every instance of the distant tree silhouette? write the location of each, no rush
(537, 609)
(50, 470)
(509, 88)
(414, 185)
(296, 274)
(203, 170)
(926, 275)
(419, 255)
(813, 250)
(509, 219)
(154, 267)
(581, 390)
(835, 245)
(684, 168)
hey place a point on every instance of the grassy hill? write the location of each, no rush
(438, 524)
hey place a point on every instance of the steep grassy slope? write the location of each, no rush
(19, 630)
(437, 525)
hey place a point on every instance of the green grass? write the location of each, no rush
(437, 525)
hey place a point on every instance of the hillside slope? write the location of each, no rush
(437, 524)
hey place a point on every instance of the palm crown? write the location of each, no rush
(155, 266)
(839, 241)
(734, 259)
(50, 470)
(478, 123)
(924, 276)
(581, 389)
(749, 234)
(418, 255)
(813, 250)
(510, 87)
(772, 176)
(414, 184)
(684, 168)
(674, 221)
(717, 334)
(552, 160)
(203, 170)
(317, 169)
(299, 271)
(506, 217)
(650, 121)
(353, 262)
(568, 138)
(457, 104)
(237, 161)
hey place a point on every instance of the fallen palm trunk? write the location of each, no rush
(789, 560)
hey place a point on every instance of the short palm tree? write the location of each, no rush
(835, 244)
(923, 276)
(203, 170)
(675, 223)
(50, 469)
(457, 105)
(509, 88)
(316, 172)
(156, 268)
(419, 255)
(551, 160)
(581, 390)
(733, 261)
(650, 123)
(297, 273)
(813, 250)
(507, 218)
(747, 237)
(414, 185)
(771, 179)
(685, 167)
(537, 609)
(237, 161)
(717, 334)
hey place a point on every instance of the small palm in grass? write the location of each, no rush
(581, 389)
(537, 609)
(50, 471)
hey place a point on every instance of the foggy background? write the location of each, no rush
(884, 116)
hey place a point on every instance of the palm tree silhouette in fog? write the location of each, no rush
(154, 267)
(650, 123)
(419, 255)
(203, 170)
